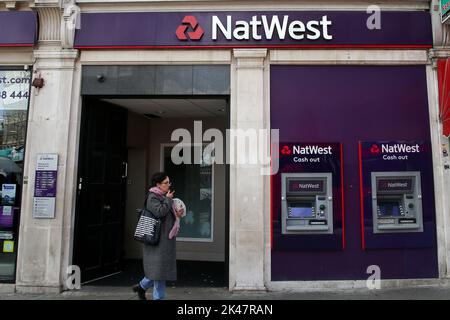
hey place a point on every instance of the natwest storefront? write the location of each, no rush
(351, 101)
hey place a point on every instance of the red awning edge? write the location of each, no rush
(444, 95)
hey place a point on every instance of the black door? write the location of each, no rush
(101, 189)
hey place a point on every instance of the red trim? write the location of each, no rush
(444, 97)
(301, 46)
(361, 193)
(342, 197)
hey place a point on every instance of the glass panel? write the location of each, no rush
(14, 95)
(192, 184)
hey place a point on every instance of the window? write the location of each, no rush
(193, 183)
(14, 97)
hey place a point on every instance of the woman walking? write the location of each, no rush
(160, 264)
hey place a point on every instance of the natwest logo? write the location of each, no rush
(375, 149)
(266, 28)
(286, 151)
(400, 148)
(312, 150)
(391, 151)
(196, 34)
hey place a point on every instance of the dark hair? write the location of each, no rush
(158, 177)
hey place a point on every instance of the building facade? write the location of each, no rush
(359, 161)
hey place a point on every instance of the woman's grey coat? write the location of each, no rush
(160, 261)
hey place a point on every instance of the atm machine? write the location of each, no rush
(307, 203)
(396, 202)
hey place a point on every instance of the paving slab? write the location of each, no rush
(198, 293)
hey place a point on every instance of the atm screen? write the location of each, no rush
(306, 185)
(300, 212)
(395, 184)
(389, 208)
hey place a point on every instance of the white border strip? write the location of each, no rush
(349, 56)
(155, 57)
(438, 171)
(235, 6)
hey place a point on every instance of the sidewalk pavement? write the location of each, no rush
(435, 292)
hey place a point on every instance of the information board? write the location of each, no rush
(45, 186)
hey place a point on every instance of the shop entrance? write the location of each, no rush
(123, 142)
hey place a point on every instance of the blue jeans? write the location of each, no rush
(159, 287)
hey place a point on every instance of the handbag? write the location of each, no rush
(148, 229)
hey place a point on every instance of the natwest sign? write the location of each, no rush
(244, 29)
(395, 148)
(313, 150)
(266, 27)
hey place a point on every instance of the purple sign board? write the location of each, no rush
(305, 157)
(45, 185)
(276, 29)
(18, 28)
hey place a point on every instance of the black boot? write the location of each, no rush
(141, 292)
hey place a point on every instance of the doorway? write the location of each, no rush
(101, 191)
(123, 142)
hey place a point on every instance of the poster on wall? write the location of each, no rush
(6, 235)
(14, 99)
(8, 194)
(45, 186)
(6, 217)
(14, 90)
(8, 246)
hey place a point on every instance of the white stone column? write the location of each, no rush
(438, 169)
(42, 241)
(53, 120)
(246, 181)
(441, 41)
(441, 163)
(439, 31)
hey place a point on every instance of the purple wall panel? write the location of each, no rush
(18, 28)
(350, 104)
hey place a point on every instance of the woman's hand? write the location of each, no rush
(170, 194)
